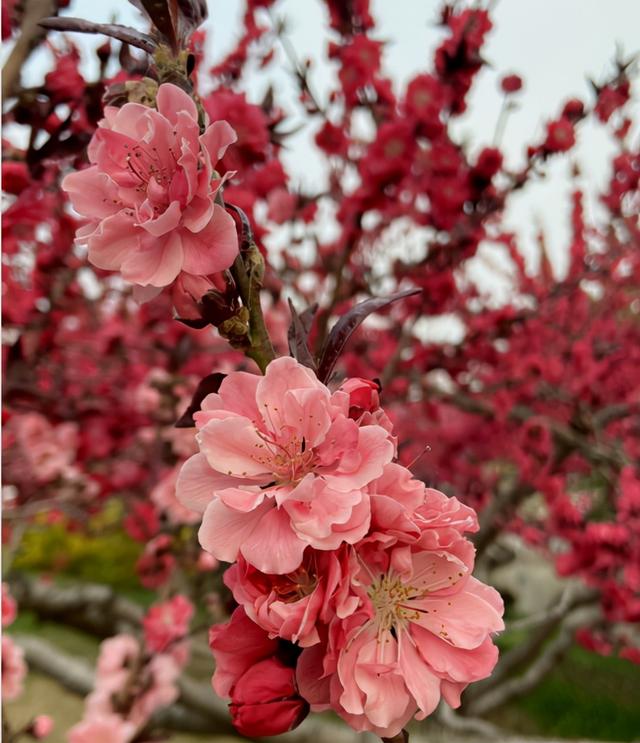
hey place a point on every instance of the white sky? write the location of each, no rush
(553, 44)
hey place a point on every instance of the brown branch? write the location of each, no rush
(30, 35)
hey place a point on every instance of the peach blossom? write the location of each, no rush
(149, 195)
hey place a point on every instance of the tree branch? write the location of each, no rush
(520, 685)
(30, 35)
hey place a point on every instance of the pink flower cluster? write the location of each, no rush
(353, 579)
(131, 684)
(14, 668)
(149, 195)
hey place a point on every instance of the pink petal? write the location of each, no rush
(92, 193)
(198, 214)
(155, 261)
(455, 664)
(212, 249)
(216, 139)
(197, 483)
(171, 99)
(241, 499)
(224, 531)
(113, 242)
(420, 680)
(232, 447)
(273, 547)
(466, 617)
(282, 375)
(165, 222)
(375, 451)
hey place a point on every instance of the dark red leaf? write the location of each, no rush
(207, 386)
(298, 335)
(342, 330)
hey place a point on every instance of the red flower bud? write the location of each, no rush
(265, 700)
(511, 84)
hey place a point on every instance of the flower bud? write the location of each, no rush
(265, 700)
(41, 726)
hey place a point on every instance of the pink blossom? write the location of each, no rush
(290, 606)
(164, 496)
(47, 451)
(166, 623)
(102, 729)
(121, 666)
(41, 726)
(149, 196)
(281, 466)
(423, 630)
(9, 608)
(14, 669)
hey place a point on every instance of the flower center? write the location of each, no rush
(391, 600)
(289, 459)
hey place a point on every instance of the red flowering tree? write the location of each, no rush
(147, 295)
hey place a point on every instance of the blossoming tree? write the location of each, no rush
(151, 361)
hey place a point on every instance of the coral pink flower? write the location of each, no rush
(102, 729)
(9, 609)
(423, 630)
(167, 622)
(281, 466)
(149, 194)
(14, 669)
(289, 606)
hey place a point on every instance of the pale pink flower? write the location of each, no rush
(164, 496)
(14, 669)
(46, 451)
(9, 608)
(121, 666)
(423, 631)
(149, 195)
(290, 606)
(41, 726)
(102, 729)
(281, 467)
(166, 623)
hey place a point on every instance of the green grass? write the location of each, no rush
(585, 696)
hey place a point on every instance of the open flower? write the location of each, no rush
(290, 606)
(422, 632)
(281, 467)
(149, 194)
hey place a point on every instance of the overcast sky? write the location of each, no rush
(553, 44)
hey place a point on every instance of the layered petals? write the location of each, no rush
(149, 193)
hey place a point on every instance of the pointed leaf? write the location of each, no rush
(345, 326)
(298, 335)
(208, 385)
(114, 30)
